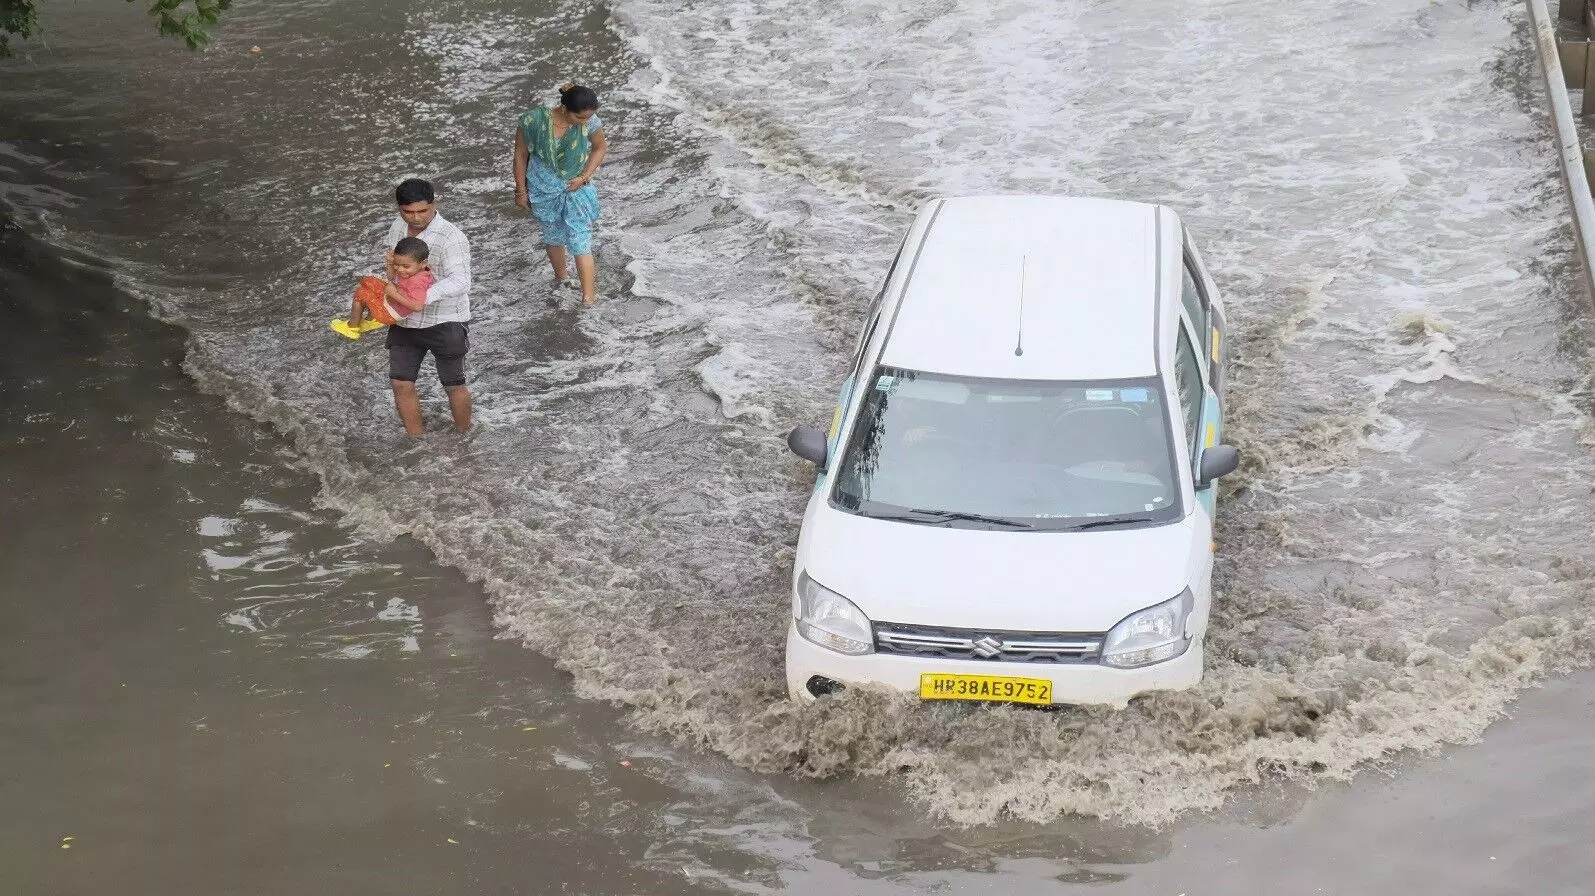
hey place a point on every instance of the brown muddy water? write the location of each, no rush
(255, 642)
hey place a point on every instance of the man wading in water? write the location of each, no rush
(440, 326)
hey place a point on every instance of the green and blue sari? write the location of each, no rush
(565, 216)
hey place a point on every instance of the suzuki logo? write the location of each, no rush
(987, 646)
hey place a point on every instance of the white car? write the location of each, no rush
(1015, 499)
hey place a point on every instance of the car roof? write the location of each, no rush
(1070, 283)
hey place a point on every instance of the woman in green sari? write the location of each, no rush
(557, 149)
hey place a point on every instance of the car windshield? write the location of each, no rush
(1009, 454)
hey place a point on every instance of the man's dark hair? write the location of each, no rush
(412, 247)
(412, 191)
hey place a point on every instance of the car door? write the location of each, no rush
(1217, 321)
(1205, 322)
(1199, 404)
(1199, 412)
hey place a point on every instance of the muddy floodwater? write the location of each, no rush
(254, 641)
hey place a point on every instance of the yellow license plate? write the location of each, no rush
(942, 686)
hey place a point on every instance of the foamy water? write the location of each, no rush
(1401, 555)
(1404, 551)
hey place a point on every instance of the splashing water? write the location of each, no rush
(1400, 555)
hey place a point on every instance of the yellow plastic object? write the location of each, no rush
(342, 328)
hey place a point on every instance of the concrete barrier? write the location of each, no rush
(1565, 65)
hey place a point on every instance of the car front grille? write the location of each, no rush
(989, 646)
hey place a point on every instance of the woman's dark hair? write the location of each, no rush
(412, 247)
(412, 191)
(576, 98)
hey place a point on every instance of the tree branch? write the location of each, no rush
(190, 21)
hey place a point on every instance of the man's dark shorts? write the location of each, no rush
(448, 343)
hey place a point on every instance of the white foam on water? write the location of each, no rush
(399, 610)
(243, 620)
(216, 526)
(568, 761)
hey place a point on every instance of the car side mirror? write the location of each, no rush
(1217, 462)
(809, 443)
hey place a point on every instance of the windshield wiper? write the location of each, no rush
(1117, 521)
(950, 515)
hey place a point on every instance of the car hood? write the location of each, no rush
(996, 580)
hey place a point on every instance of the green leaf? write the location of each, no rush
(192, 27)
(20, 18)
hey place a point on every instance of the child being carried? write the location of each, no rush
(387, 301)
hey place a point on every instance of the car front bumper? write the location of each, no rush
(1080, 684)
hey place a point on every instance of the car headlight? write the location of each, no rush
(830, 620)
(1153, 635)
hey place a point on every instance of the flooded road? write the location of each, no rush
(210, 684)
(206, 681)
(209, 517)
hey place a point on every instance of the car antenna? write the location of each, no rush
(1019, 342)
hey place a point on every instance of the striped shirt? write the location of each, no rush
(449, 257)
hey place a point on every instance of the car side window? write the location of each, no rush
(1188, 381)
(1191, 297)
(872, 315)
